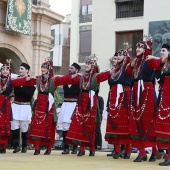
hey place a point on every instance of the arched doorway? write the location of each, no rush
(9, 52)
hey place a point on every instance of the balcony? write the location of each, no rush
(85, 18)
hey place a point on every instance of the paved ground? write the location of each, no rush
(57, 161)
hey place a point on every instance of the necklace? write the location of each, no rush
(116, 108)
(137, 68)
(85, 85)
(83, 117)
(166, 66)
(142, 108)
(161, 107)
(43, 86)
(42, 117)
(3, 83)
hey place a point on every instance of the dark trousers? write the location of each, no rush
(98, 141)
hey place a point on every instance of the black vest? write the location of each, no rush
(24, 92)
(72, 91)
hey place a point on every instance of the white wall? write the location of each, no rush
(104, 27)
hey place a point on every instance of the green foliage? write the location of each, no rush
(58, 97)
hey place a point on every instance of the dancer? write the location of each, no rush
(82, 128)
(119, 103)
(43, 124)
(162, 118)
(6, 85)
(143, 101)
(21, 108)
(70, 98)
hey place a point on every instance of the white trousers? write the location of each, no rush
(22, 124)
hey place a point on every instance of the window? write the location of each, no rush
(89, 9)
(86, 11)
(131, 37)
(51, 55)
(53, 35)
(85, 43)
(129, 8)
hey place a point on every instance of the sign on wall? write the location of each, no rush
(18, 16)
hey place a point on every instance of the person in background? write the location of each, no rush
(98, 141)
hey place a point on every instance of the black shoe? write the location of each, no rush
(81, 153)
(74, 151)
(152, 158)
(17, 149)
(160, 154)
(66, 151)
(111, 154)
(24, 150)
(116, 155)
(47, 152)
(37, 152)
(126, 156)
(165, 163)
(92, 153)
(3, 151)
(140, 158)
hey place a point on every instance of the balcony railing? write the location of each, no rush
(85, 18)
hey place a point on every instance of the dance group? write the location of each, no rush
(136, 116)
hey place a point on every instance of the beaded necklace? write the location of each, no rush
(42, 117)
(115, 108)
(44, 83)
(137, 67)
(3, 83)
(161, 107)
(142, 108)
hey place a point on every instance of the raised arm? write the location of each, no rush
(21, 81)
(67, 79)
(103, 76)
(155, 63)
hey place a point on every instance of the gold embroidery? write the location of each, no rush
(20, 6)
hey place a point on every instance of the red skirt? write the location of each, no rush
(141, 120)
(5, 117)
(82, 128)
(42, 127)
(118, 117)
(162, 120)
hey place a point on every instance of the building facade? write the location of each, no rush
(29, 49)
(60, 53)
(101, 27)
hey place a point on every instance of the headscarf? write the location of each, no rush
(86, 78)
(46, 77)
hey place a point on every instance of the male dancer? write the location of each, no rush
(21, 109)
(70, 98)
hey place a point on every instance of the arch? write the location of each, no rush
(8, 51)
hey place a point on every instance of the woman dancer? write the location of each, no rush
(43, 125)
(118, 108)
(6, 84)
(143, 101)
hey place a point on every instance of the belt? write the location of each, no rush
(22, 103)
(70, 100)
